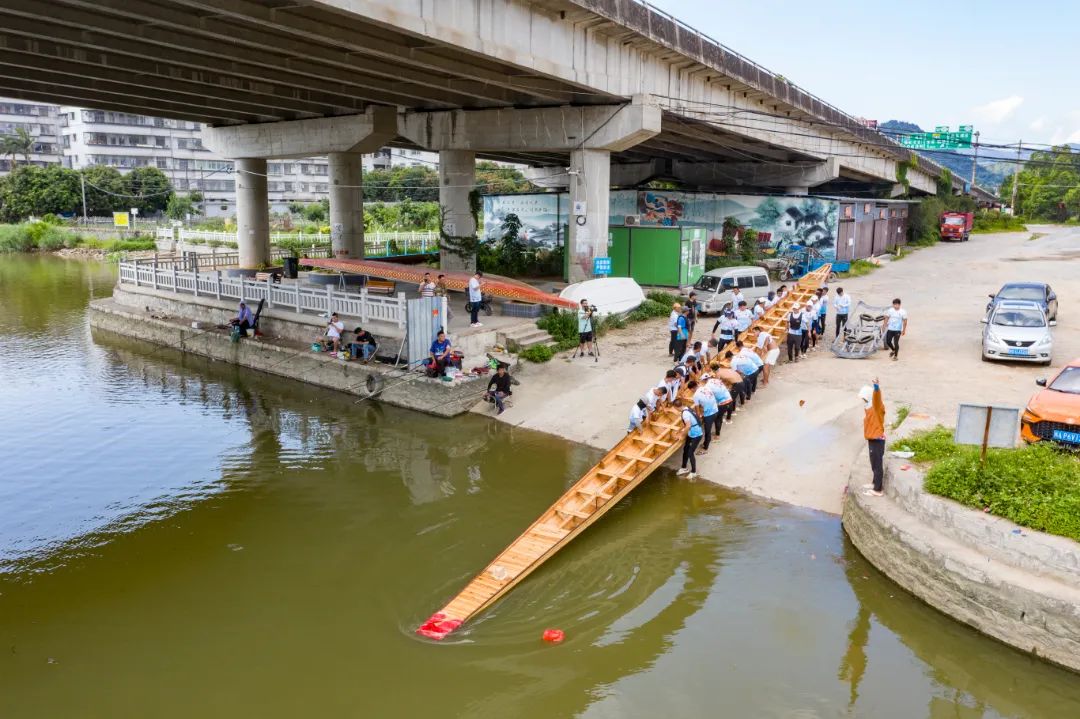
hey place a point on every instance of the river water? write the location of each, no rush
(179, 538)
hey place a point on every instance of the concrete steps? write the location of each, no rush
(523, 337)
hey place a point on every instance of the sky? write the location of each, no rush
(1010, 69)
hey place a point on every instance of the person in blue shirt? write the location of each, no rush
(744, 351)
(682, 332)
(710, 411)
(244, 319)
(693, 439)
(440, 353)
(722, 395)
(745, 368)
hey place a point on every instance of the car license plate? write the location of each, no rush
(1062, 436)
(1019, 351)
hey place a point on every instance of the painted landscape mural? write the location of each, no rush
(779, 221)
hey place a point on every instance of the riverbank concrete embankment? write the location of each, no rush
(1011, 583)
(292, 360)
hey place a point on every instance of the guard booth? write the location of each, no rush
(660, 256)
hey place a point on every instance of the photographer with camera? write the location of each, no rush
(586, 334)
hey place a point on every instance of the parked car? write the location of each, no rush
(1053, 413)
(1017, 331)
(1030, 291)
(715, 287)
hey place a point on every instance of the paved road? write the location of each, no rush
(797, 439)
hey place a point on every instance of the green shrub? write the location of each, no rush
(1037, 486)
(929, 445)
(15, 238)
(996, 221)
(561, 325)
(663, 298)
(652, 308)
(537, 353)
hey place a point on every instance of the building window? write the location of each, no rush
(866, 209)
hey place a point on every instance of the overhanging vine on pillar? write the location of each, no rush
(463, 246)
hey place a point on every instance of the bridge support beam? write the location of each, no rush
(252, 213)
(346, 204)
(457, 178)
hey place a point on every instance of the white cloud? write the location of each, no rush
(997, 110)
(1038, 124)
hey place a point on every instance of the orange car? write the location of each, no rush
(1054, 412)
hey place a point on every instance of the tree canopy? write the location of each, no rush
(32, 190)
(1049, 187)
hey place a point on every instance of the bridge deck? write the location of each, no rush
(623, 468)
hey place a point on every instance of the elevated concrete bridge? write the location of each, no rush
(588, 91)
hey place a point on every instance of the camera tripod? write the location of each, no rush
(593, 346)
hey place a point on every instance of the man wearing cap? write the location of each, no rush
(726, 326)
(794, 333)
(673, 326)
(874, 433)
(750, 354)
(584, 328)
(759, 308)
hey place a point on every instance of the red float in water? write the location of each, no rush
(553, 635)
(438, 626)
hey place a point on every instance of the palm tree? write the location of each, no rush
(19, 143)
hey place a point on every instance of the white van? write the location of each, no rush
(714, 288)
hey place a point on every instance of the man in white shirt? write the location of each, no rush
(670, 385)
(334, 330)
(743, 316)
(842, 303)
(794, 333)
(654, 395)
(807, 326)
(767, 346)
(759, 308)
(427, 287)
(637, 416)
(673, 326)
(476, 297)
(895, 328)
(771, 300)
(726, 326)
(736, 298)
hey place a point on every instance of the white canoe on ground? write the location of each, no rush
(611, 295)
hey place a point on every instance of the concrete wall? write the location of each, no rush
(419, 393)
(1020, 588)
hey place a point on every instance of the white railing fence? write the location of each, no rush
(169, 276)
(376, 244)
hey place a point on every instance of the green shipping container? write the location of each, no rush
(660, 256)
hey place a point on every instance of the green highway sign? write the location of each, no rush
(941, 139)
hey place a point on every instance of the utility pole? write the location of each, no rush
(974, 162)
(1016, 178)
(82, 182)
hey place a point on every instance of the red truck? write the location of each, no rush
(957, 225)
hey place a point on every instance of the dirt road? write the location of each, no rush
(802, 453)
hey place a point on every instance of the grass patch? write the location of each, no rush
(1036, 486)
(901, 415)
(858, 269)
(1035, 236)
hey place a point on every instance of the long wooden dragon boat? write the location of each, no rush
(623, 468)
(495, 285)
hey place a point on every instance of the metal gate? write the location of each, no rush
(425, 317)
(845, 240)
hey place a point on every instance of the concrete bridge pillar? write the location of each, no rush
(590, 181)
(457, 179)
(346, 204)
(252, 212)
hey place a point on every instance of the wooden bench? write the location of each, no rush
(264, 276)
(385, 287)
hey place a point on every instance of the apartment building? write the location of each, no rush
(41, 122)
(79, 137)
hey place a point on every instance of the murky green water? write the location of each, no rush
(180, 539)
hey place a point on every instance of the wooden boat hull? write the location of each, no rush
(633, 459)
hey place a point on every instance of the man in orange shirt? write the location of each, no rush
(874, 432)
